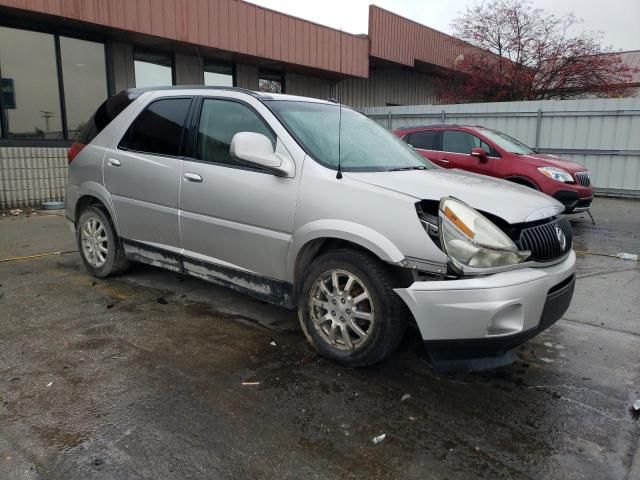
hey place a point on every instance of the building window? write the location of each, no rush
(153, 70)
(84, 76)
(33, 67)
(31, 97)
(216, 75)
(272, 82)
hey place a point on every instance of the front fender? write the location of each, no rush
(355, 233)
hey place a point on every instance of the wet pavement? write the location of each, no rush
(155, 375)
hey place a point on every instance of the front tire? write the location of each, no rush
(348, 309)
(99, 245)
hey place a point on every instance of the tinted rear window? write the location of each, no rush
(424, 140)
(159, 128)
(110, 109)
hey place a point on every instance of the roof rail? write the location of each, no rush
(137, 91)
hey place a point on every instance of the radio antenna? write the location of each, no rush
(339, 174)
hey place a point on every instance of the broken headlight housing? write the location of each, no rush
(471, 240)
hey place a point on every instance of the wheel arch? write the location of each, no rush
(321, 236)
(93, 193)
(520, 180)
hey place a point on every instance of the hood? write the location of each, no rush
(509, 201)
(547, 160)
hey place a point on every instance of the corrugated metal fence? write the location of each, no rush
(602, 134)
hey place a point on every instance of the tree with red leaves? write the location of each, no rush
(527, 54)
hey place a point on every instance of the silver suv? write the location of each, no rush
(310, 205)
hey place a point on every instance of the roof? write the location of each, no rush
(229, 25)
(254, 32)
(401, 40)
(133, 93)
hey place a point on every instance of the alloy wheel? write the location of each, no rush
(342, 310)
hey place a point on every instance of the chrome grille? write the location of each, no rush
(583, 178)
(546, 241)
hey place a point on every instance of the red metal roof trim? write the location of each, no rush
(400, 40)
(231, 25)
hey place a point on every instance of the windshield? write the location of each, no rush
(364, 145)
(508, 143)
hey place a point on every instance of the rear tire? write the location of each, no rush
(348, 309)
(99, 245)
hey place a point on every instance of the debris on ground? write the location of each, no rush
(250, 383)
(379, 439)
(413, 419)
(15, 212)
(406, 396)
(49, 384)
(546, 360)
(628, 256)
(109, 306)
(272, 343)
(636, 405)
(161, 301)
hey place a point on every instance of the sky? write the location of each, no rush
(616, 19)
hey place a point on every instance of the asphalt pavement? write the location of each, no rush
(154, 375)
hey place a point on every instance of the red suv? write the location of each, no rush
(489, 152)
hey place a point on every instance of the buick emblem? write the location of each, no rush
(562, 239)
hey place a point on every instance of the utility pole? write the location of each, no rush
(46, 115)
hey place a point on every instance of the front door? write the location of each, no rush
(231, 215)
(143, 174)
(456, 152)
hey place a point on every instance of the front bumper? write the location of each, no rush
(573, 201)
(488, 316)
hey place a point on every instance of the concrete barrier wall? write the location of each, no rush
(31, 175)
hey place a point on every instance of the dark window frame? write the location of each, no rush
(184, 136)
(191, 147)
(156, 53)
(275, 75)
(232, 66)
(56, 32)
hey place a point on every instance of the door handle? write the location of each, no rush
(113, 162)
(444, 160)
(192, 177)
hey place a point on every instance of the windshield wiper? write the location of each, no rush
(417, 167)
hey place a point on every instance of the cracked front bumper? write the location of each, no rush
(490, 315)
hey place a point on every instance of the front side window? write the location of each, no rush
(424, 140)
(457, 141)
(328, 132)
(84, 77)
(153, 70)
(31, 100)
(220, 120)
(159, 128)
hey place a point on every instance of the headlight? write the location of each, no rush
(472, 240)
(556, 174)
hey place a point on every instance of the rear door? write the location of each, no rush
(426, 143)
(142, 173)
(456, 152)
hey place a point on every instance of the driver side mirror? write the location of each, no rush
(257, 150)
(480, 154)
